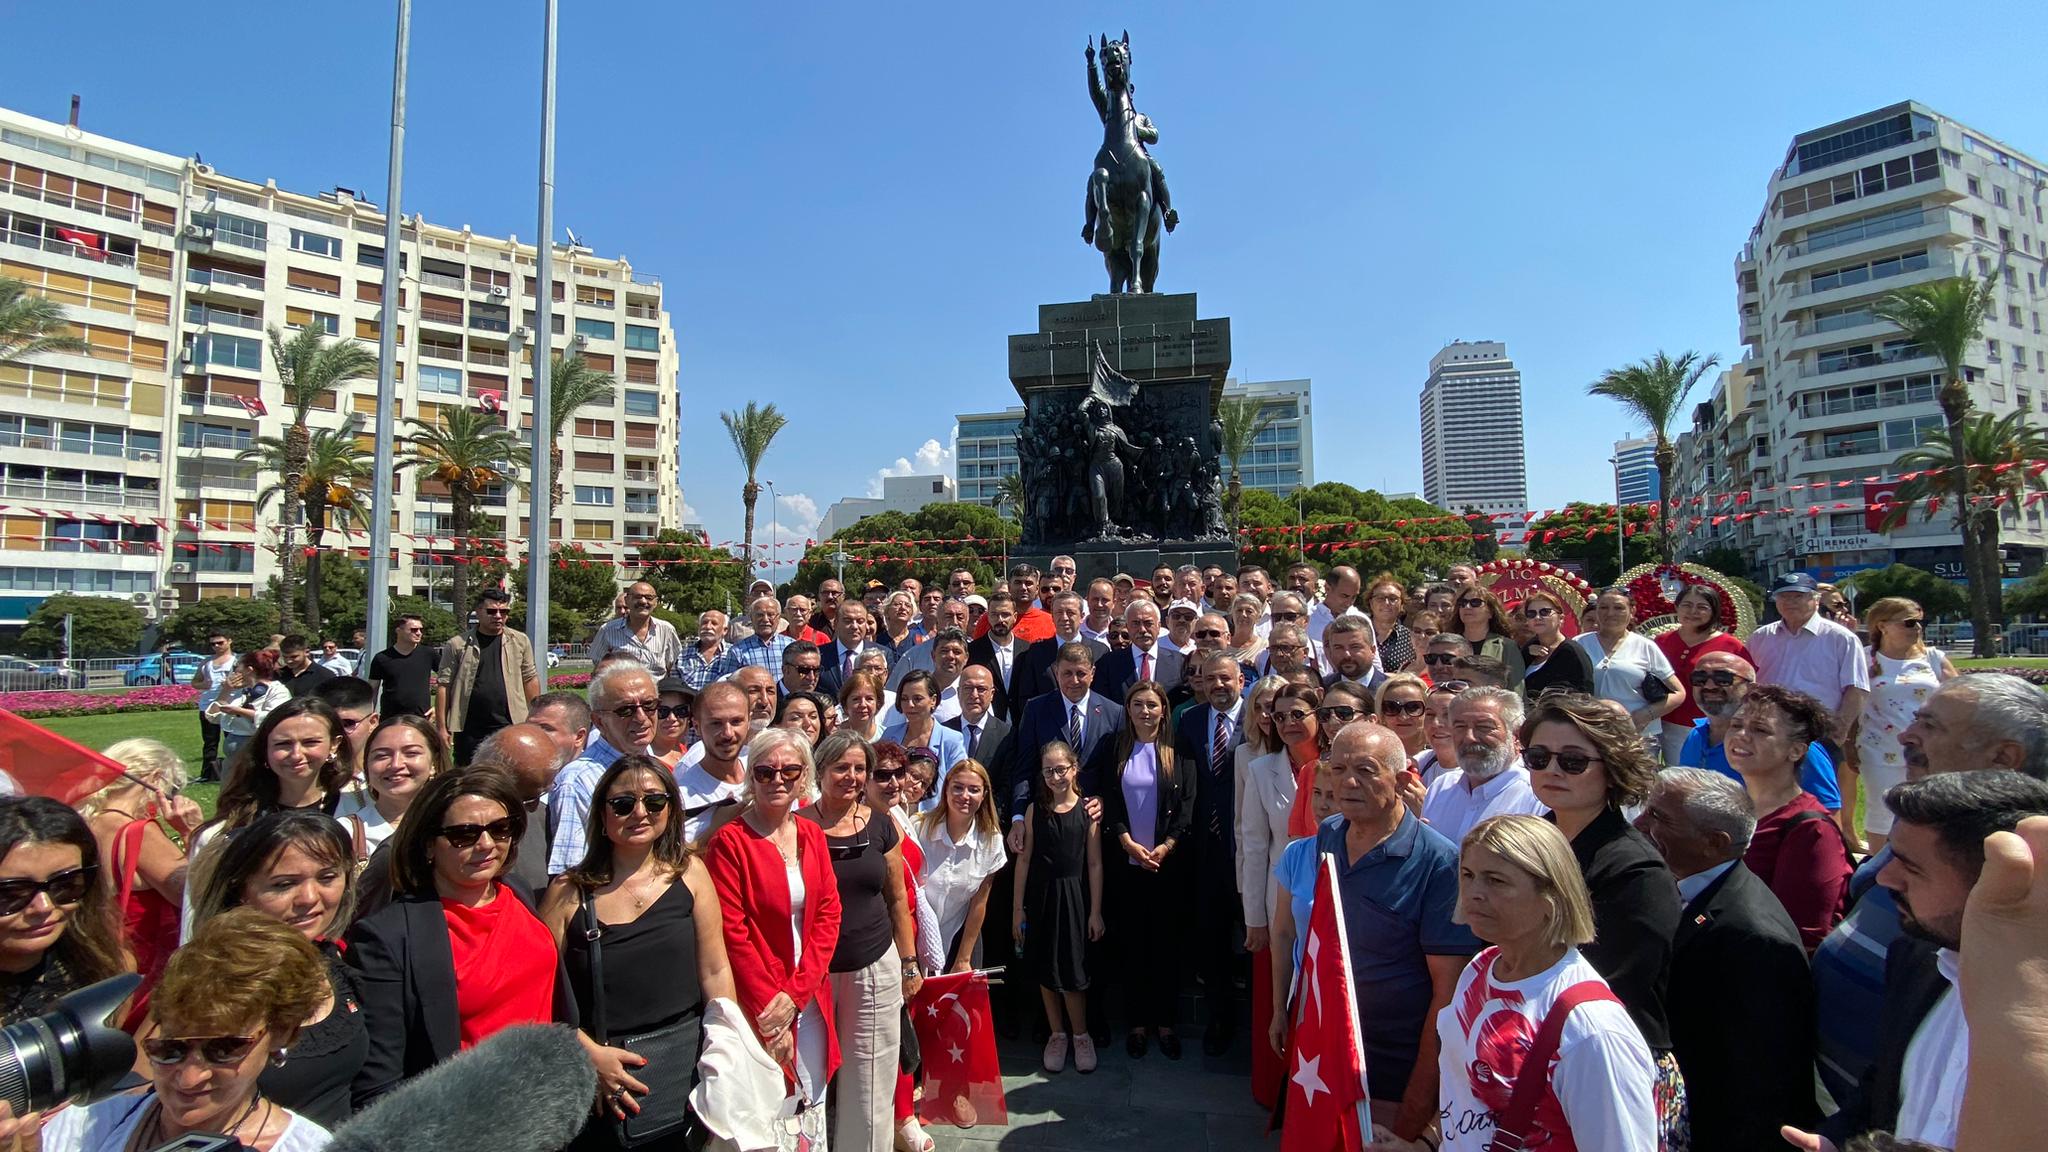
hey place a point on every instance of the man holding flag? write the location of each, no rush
(1379, 958)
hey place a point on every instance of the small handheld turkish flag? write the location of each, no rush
(35, 761)
(963, 1083)
(1326, 1096)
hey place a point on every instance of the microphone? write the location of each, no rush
(525, 1089)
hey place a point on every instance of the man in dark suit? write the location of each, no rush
(1072, 713)
(1145, 659)
(1349, 647)
(852, 636)
(1740, 1003)
(1068, 610)
(1206, 737)
(1001, 651)
(1914, 1087)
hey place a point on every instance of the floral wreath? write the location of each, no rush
(1513, 580)
(1655, 589)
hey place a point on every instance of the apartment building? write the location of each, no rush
(1826, 396)
(1635, 470)
(1471, 405)
(120, 465)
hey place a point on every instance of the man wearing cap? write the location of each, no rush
(1180, 626)
(741, 625)
(1809, 653)
(639, 634)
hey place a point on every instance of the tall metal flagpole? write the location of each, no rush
(376, 628)
(537, 550)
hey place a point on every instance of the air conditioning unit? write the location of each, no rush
(500, 291)
(181, 567)
(523, 334)
(146, 456)
(582, 341)
(185, 357)
(199, 233)
(139, 598)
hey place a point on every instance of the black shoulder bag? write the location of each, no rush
(671, 1054)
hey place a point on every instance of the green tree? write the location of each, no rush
(1946, 317)
(1936, 596)
(344, 596)
(1582, 535)
(466, 455)
(1725, 560)
(1654, 392)
(690, 576)
(752, 429)
(100, 626)
(247, 621)
(1995, 462)
(581, 593)
(1010, 494)
(978, 538)
(1242, 418)
(437, 623)
(309, 368)
(31, 324)
(1339, 524)
(2029, 595)
(572, 386)
(1485, 538)
(334, 481)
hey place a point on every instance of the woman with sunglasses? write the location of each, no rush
(1148, 809)
(1484, 624)
(1587, 764)
(1386, 602)
(645, 903)
(874, 969)
(1402, 705)
(671, 740)
(400, 757)
(1553, 662)
(885, 794)
(780, 904)
(1627, 667)
(915, 699)
(1904, 672)
(230, 1004)
(457, 955)
(1699, 633)
(57, 927)
(298, 868)
(142, 825)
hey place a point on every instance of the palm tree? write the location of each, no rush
(333, 481)
(1654, 392)
(572, 385)
(752, 429)
(1242, 418)
(2004, 450)
(308, 367)
(468, 453)
(1010, 493)
(1946, 317)
(31, 323)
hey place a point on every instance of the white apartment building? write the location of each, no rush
(120, 468)
(1472, 430)
(1828, 395)
(905, 494)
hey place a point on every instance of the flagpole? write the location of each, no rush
(543, 512)
(376, 625)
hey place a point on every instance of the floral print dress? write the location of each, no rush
(1897, 690)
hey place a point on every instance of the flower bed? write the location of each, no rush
(569, 680)
(34, 705)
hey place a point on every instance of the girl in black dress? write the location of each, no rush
(1059, 902)
(650, 903)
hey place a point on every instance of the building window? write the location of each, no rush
(1875, 270)
(238, 231)
(228, 351)
(640, 338)
(327, 322)
(316, 244)
(1975, 186)
(1977, 226)
(597, 329)
(593, 530)
(590, 494)
(1998, 195)
(438, 381)
(642, 403)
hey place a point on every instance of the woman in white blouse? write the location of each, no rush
(962, 852)
(1625, 663)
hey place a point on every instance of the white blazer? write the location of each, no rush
(1265, 797)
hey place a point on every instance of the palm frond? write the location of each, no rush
(31, 324)
(573, 385)
(752, 429)
(1654, 390)
(1997, 460)
(308, 365)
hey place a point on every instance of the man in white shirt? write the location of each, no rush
(949, 658)
(717, 778)
(1002, 653)
(1809, 653)
(623, 699)
(1101, 599)
(1180, 626)
(1490, 779)
(1340, 598)
(332, 659)
(639, 634)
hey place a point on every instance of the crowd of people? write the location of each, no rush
(1602, 890)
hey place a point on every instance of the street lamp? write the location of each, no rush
(1620, 522)
(773, 500)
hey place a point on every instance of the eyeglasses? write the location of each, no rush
(1454, 685)
(767, 772)
(888, 775)
(1440, 658)
(1539, 613)
(64, 889)
(1539, 759)
(634, 708)
(1293, 716)
(802, 669)
(1915, 623)
(466, 835)
(1718, 677)
(1471, 602)
(348, 725)
(1403, 707)
(219, 1051)
(623, 804)
(494, 612)
(1209, 634)
(1386, 598)
(1285, 616)
(1344, 712)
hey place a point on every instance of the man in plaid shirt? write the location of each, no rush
(700, 662)
(764, 648)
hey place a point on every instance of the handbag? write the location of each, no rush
(666, 1049)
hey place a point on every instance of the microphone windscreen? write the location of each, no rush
(525, 1089)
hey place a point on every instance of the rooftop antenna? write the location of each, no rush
(74, 110)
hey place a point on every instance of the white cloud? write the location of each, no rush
(930, 458)
(802, 509)
(690, 514)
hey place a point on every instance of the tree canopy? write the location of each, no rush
(1362, 530)
(247, 621)
(1594, 555)
(1936, 596)
(892, 555)
(690, 576)
(100, 626)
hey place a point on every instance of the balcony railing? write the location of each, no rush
(490, 324)
(1836, 323)
(61, 248)
(200, 315)
(1876, 359)
(42, 443)
(214, 440)
(1868, 230)
(443, 280)
(1811, 407)
(202, 398)
(649, 281)
(643, 311)
(77, 493)
(439, 316)
(99, 547)
(489, 356)
(1862, 446)
(58, 198)
(211, 480)
(204, 277)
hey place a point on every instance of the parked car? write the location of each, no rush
(151, 669)
(19, 675)
(554, 655)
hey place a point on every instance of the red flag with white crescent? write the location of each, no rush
(1326, 1089)
(963, 1083)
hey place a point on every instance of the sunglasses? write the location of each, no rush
(1209, 634)
(219, 1051)
(888, 775)
(1344, 712)
(803, 669)
(64, 889)
(1719, 678)
(1440, 658)
(1454, 685)
(1403, 708)
(671, 712)
(495, 612)
(1285, 616)
(623, 804)
(637, 708)
(1540, 613)
(768, 772)
(1915, 623)
(466, 835)
(1293, 715)
(1539, 759)
(1470, 602)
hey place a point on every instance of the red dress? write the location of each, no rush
(1798, 851)
(504, 966)
(149, 923)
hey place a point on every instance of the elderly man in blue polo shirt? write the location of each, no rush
(1720, 683)
(1397, 879)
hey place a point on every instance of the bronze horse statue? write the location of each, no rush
(1127, 199)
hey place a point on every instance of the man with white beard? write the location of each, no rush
(1490, 779)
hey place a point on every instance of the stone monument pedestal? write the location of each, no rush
(1106, 560)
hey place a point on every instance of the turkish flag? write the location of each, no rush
(35, 761)
(963, 1083)
(1326, 1097)
(91, 245)
(490, 400)
(1877, 492)
(253, 405)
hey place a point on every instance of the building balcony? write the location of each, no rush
(443, 280)
(190, 441)
(101, 494)
(1872, 446)
(200, 316)
(1827, 297)
(1933, 224)
(1812, 406)
(1859, 367)
(233, 284)
(496, 358)
(61, 248)
(441, 317)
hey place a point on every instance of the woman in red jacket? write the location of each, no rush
(781, 905)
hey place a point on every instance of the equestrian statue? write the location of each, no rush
(1127, 199)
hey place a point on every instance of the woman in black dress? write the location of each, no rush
(643, 903)
(299, 867)
(1059, 901)
(1554, 659)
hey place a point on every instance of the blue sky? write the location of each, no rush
(852, 206)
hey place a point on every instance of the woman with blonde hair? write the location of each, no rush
(1244, 641)
(1402, 705)
(1519, 890)
(962, 852)
(142, 825)
(1904, 672)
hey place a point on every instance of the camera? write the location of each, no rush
(70, 1053)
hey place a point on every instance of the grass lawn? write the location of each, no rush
(2004, 662)
(179, 730)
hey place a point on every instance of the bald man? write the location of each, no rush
(530, 755)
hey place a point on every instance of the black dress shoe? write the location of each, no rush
(1134, 1044)
(1216, 1041)
(1169, 1045)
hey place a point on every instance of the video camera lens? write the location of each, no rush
(70, 1053)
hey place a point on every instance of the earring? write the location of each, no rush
(277, 1058)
